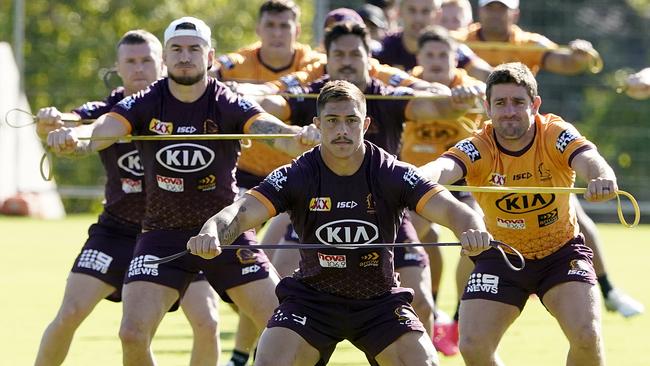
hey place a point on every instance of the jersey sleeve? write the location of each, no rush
(391, 75)
(470, 155)
(566, 142)
(414, 190)
(135, 110)
(94, 109)
(277, 189)
(237, 111)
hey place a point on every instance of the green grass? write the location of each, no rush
(37, 256)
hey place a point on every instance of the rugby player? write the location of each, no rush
(521, 147)
(100, 267)
(184, 181)
(340, 293)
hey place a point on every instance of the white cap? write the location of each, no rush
(195, 27)
(512, 4)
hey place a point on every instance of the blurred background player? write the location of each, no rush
(100, 268)
(456, 15)
(637, 85)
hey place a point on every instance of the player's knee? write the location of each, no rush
(473, 347)
(587, 338)
(71, 315)
(206, 327)
(132, 335)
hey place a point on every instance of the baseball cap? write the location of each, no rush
(342, 15)
(188, 26)
(512, 4)
(372, 14)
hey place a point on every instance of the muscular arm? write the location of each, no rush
(601, 180)
(224, 227)
(66, 140)
(442, 170)
(433, 109)
(571, 61)
(306, 137)
(275, 105)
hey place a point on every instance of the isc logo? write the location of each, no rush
(186, 129)
(348, 204)
(250, 269)
(522, 203)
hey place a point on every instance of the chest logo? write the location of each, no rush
(185, 157)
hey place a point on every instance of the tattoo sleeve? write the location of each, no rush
(229, 228)
(266, 125)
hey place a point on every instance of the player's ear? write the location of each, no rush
(537, 102)
(486, 105)
(366, 124)
(316, 121)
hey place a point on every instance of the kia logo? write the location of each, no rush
(131, 163)
(347, 232)
(522, 203)
(185, 157)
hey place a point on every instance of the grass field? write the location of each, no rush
(37, 256)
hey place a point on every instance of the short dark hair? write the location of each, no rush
(139, 36)
(436, 33)
(512, 73)
(340, 29)
(278, 6)
(339, 90)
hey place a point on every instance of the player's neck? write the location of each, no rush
(276, 60)
(410, 43)
(446, 80)
(188, 93)
(494, 36)
(344, 166)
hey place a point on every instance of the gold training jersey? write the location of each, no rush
(245, 65)
(536, 224)
(424, 141)
(533, 58)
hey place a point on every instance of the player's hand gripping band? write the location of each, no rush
(494, 244)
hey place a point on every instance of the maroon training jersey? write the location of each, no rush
(186, 181)
(393, 52)
(366, 207)
(123, 193)
(387, 116)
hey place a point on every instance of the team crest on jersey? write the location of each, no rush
(469, 149)
(246, 256)
(497, 179)
(565, 139)
(160, 127)
(320, 204)
(544, 174)
(370, 204)
(210, 127)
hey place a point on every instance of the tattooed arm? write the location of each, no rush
(224, 227)
(306, 137)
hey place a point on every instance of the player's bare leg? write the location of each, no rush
(482, 325)
(295, 350)
(245, 338)
(419, 279)
(576, 307)
(144, 306)
(412, 348)
(82, 293)
(257, 299)
(201, 307)
(615, 299)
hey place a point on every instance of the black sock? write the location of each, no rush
(239, 358)
(605, 285)
(456, 312)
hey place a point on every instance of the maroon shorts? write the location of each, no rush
(493, 280)
(230, 269)
(413, 256)
(324, 320)
(107, 253)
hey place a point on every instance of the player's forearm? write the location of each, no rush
(225, 225)
(463, 218)
(590, 165)
(268, 125)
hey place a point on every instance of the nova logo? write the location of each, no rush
(320, 204)
(517, 203)
(185, 157)
(347, 231)
(160, 127)
(332, 260)
(514, 224)
(130, 162)
(131, 185)
(170, 184)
